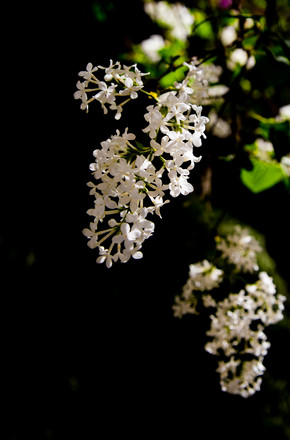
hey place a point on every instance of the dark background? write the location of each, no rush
(90, 352)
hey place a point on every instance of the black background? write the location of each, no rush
(90, 352)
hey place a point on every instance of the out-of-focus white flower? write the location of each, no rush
(285, 163)
(151, 46)
(228, 35)
(217, 91)
(264, 150)
(284, 112)
(240, 57)
(218, 126)
(249, 23)
(175, 17)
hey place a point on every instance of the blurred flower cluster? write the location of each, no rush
(237, 320)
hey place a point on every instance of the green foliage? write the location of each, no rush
(171, 77)
(202, 25)
(101, 10)
(263, 176)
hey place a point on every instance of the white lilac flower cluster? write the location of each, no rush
(238, 323)
(131, 178)
(118, 82)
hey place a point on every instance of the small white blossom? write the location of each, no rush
(284, 112)
(240, 57)
(228, 35)
(285, 164)
(89, 73)
(151, 46)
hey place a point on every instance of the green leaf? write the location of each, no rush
(176, 48)
(263, 176)
(169, 79)
(202, 26)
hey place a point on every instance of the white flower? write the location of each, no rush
(106, 95)
(81, 94)
(176, 109)
(126, 235)
(228, 35)
(156, 121)
(105, 256)
(284, 112)
(183, 87)
(112, 71)
(264, 150)
(218, 126)
(179, 185)
(88, 74)
(121, 170)
(130, 89)
(160, 148)
(240, 57)
(151, 46)
(141, 225)
(285, 163)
